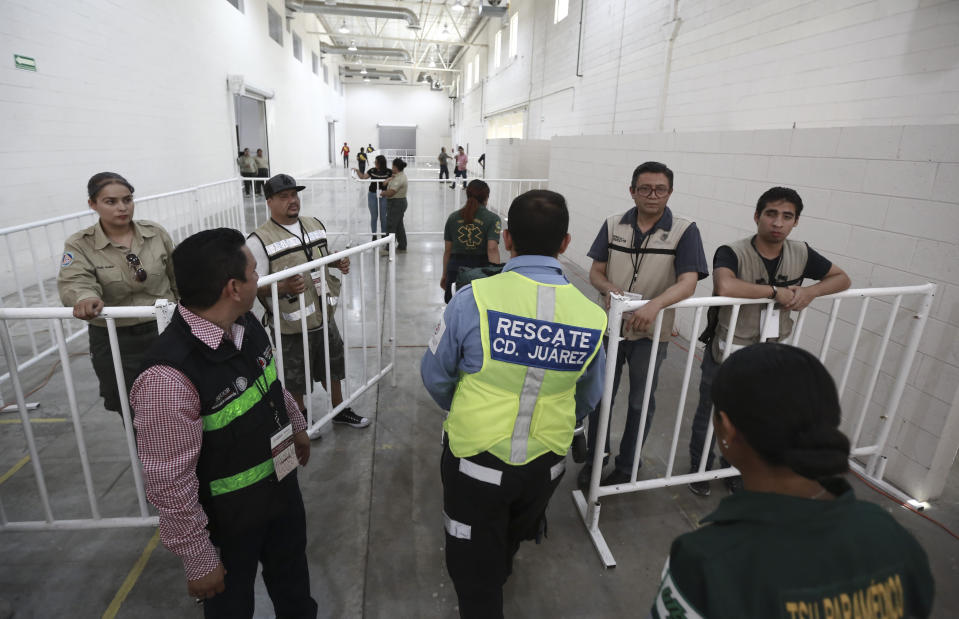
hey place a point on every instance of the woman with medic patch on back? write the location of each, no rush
(795, 542)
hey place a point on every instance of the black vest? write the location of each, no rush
(230, 380)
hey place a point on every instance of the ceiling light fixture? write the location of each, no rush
(446, 30)
(363, 71)
(366, 79)
(352, 46)
(432, 63)
(343, 29)
(458, 7)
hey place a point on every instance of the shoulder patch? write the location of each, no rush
(438, 332)
(66, 260)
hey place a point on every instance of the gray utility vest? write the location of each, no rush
(657, 265)
(286, 250)
(752, 269)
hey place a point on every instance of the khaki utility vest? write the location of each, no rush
(287, 250)
(656, 258)
(752, 269)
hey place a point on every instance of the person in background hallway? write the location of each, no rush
(444, 159)
(345, 151)
(766, 265)
(503, 452)
(247, 170)
(650, 251)
(116, 262)
(285, 241)
(209, 408)
(262, 169)
(795, 542)
(471, 236)
(370, 148)
(377, 204)
(482, 162)
(395, 193)
(361, 160)
(461, 161)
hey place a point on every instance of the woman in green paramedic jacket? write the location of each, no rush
(471, 237)
(796, 542)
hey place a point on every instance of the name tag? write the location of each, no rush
(769, 324)
(539, 343)
(284, 455)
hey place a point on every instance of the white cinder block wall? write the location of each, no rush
(855, 103)
(506, 158)
(140, 88)
(370, 104)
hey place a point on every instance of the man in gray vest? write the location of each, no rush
(285, 241)
(764, 266)
(650, 251)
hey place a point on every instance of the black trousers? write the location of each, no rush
(444, 171)
(456, 262)
(134, 342)
(263, 173)
(280, 545)
(486, 521)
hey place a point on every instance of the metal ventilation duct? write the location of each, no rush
(356, 10)
(395, 76)
(391, 52)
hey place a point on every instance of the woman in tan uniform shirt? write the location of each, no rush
(116, 262)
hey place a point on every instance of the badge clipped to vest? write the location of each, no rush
(284, 454)
(768, 324)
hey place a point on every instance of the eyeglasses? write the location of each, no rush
(139, 273)
(648, 190)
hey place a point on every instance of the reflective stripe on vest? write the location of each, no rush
(537, 340)
(239, 405)
(243, 479)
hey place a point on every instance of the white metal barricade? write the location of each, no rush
(874, 449)
(354, 299)
(33, 253)
(54, 316)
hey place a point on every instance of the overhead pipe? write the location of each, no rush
(356, 10)
(392, 52)
(377, 73)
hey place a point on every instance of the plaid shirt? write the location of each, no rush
(169, 436)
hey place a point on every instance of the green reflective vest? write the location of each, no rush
(537, 341)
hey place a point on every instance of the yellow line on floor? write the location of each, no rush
(37, 420)
(132, 577)
(13, 470)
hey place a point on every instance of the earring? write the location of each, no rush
(724, 443)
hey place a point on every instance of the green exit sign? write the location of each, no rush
(24, 62)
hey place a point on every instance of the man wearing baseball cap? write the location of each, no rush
(285, 241)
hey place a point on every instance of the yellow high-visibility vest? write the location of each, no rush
(538, 339)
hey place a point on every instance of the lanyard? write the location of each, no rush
(307, 250)
(637, 258)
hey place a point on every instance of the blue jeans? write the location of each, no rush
(702, 419)
(372, 201)
(636, 354)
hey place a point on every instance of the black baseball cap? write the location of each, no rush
(280, 182)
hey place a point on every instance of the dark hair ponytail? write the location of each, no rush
(785, 403)
(101, 179)
(477, 193)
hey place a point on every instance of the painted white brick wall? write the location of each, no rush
(739, 65)
(874, 214)
(140, 88)
(370, 104)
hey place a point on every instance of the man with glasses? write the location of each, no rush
(285, 241)
(766, 265)
(648, 251)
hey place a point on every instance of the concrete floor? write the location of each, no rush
(374, 503)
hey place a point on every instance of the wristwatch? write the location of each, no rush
(774, 292)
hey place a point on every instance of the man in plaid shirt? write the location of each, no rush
(219, 438)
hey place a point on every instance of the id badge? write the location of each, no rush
(284, 455)
(317, 282)
(769, 324)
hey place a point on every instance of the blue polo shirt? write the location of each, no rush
(456, 345)
(690, 256)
